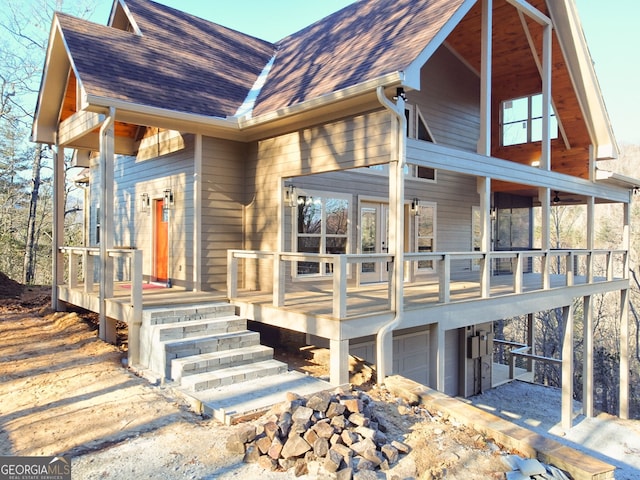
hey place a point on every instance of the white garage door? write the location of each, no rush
(411, 356)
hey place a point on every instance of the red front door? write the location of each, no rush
(161, 241)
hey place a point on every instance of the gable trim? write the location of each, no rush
(412, 73)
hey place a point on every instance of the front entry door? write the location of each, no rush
(374, 238)
(161, 241)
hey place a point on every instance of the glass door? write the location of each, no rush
(374, 238)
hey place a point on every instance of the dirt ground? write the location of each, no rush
(63, 391)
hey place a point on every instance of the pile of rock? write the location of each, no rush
(338, 433)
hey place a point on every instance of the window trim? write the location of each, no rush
(529, 120)
(434, 205)
(322, 268)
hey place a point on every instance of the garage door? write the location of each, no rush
(411, 356)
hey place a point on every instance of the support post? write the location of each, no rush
(531, 341)
(624, 355)
(567, 368)
(107, 152)
(58, 226)
(587, 366)
(339, 359)
(486, 47)
(197, 214)
(440, 357)
(545, 160)
(484, 190)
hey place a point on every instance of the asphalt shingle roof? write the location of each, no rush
(188, 64)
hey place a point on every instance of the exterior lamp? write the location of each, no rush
(291, 196)
(415, 203)
(144, 205)
(168, 198)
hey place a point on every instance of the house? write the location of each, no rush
(369, 182)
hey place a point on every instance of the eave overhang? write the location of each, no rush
(583, 76)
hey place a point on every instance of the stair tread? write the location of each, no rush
(222, 353)
(233, 401)
(195, 339)
(199, 321)
(235, 370)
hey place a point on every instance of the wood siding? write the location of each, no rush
(133, 227)
(353, 142)
(449, 100)
(223, 200)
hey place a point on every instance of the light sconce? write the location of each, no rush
(492, 213)
(415, 203)
(144, 203)
(290, 196)
(400, 94)
(168, 198)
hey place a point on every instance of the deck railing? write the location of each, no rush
(81, 262)
(495, 273)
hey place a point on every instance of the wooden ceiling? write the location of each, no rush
(517, 40)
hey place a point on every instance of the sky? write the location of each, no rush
(611, 27)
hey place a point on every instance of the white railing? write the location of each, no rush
(81, 277)
(550, 269)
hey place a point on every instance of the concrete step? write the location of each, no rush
(234, 403)
(164, 352)
(198, 328)
(185, 366)
(233, 375)
(186, 313)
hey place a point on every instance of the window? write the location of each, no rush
(425, 232)
(322, 227)
(522, 120)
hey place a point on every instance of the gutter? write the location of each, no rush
(384, 340)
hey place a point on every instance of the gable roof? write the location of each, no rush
(363, 41)
(179, 61)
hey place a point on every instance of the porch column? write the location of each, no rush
(484, 142)
(587, 366)
(567, 368)
(544, 194)
(197, 213)
(484, 190)
(440, 357)
(339, 362)
(624, 317)
(107, 151)
(531, 341)
(587, 361)
(545, 159)
(57, 239)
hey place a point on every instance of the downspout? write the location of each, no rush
(384, 342)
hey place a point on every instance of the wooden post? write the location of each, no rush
(232, 275)
(197, 214)
(624, 354)
(340, 287)
(567, 368)
(106, 219)
(444, 274)
(57, 240)
(486, 48)
(135, 321)
(278, 281)
(339, 360)
(587, 361)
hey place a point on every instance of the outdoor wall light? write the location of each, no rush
(415, 203)
(168, 198)
(291, 196)
(144, 203)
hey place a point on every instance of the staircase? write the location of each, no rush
(207, 353)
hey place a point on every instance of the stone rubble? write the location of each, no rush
(530, 468)
(335, 435)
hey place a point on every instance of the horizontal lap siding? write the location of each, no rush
(353, 142)
(223, 200)
(134, 228)
(450, 101)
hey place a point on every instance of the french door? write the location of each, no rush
(374, 238)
